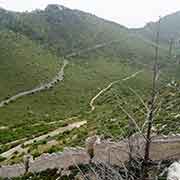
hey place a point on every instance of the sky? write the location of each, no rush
(131, 13)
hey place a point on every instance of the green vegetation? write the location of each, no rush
(82, 81)
(30, 47)
(169, 29)
(24, 64)
(2, 159)
(48, 175)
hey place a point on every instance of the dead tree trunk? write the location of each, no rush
(152, 106)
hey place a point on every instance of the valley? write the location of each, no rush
(67, 75)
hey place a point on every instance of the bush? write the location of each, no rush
(2, 158)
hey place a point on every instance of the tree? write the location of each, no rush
(152, 106)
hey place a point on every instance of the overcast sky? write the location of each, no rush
(131, 13)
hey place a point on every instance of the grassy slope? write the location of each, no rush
(66, 30)
(83, 80)
(84, 77)
(24, 64)
(70, 98)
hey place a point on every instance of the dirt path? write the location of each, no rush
(60, 75)
(57, 78)
(52, 83)
(108, 87)
(19, 148)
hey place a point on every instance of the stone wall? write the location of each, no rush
(115, 153)
(61, 160)
(12, 171)
(70, 157)
(111, 152)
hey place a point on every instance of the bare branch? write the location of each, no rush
(140, 98)
(132, 119)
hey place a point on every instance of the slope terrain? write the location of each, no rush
(99, 53)
(24, 64)
(169, 29)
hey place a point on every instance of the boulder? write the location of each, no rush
(174, 171)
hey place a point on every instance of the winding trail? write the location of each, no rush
(96, 46)
(108, 87)
(59, 77)
(19, 148)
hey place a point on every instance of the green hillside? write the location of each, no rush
(31, 46)
(170, 28)
(24, 64)
(63, 31)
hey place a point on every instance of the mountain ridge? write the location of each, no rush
(169, 29)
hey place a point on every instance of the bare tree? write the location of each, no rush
(152, 106)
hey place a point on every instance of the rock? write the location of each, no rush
(90, 142)
(174, 171)
(79, 177)
(66, 173)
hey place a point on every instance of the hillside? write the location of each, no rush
(31, 48)
(24, 64)
(63, 31)
(170, 29)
